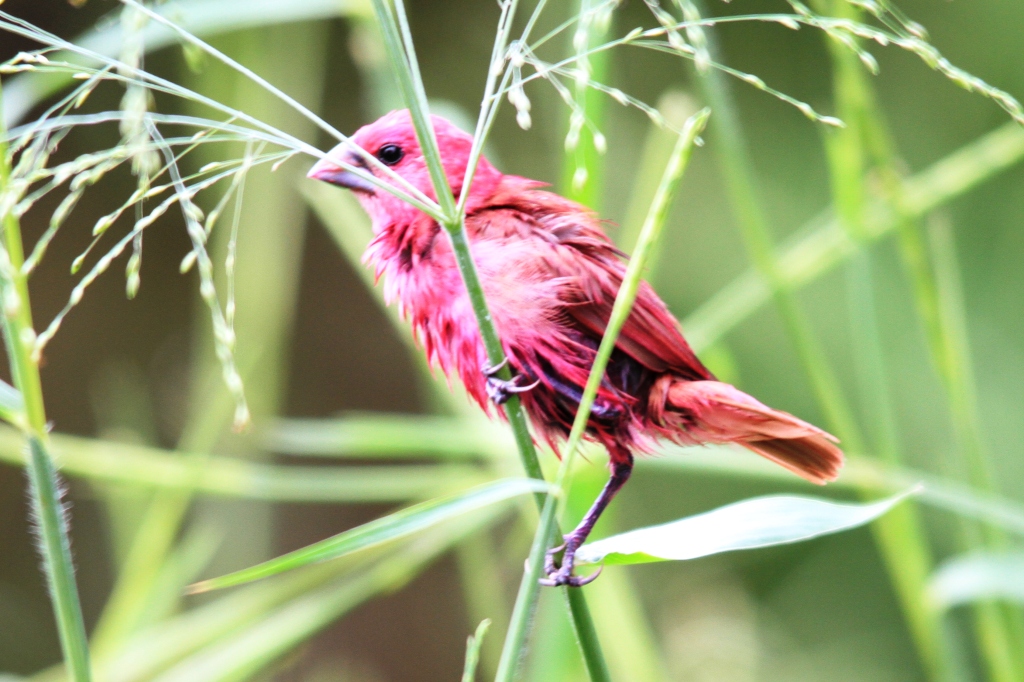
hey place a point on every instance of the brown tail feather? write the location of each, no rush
(812, 457)
(719, 413)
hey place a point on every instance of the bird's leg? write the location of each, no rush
(500, 390)
(562, 575)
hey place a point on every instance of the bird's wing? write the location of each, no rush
(590, 269)
(651, 335)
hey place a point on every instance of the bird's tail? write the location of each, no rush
(713, 412)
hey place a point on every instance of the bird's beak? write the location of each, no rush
(327, 170)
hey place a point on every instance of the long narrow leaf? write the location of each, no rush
(139, 465)
(978, 576)
(397, 525)
(55, 547)
(245, 653)
(473, 651)
(391, 435)
(823, 243)
(750, 524)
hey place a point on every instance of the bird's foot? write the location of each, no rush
(562, 574)
(499, 390)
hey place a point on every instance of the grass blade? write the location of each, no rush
(979, 576)
(390, 435)
(55, 546)
(182, 471)
(248, 651)
(750, 524)
(620, 312)
(823, 243)
(473, 643)
(56, 550)
(400, 524)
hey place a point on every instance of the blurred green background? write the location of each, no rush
(314, 343)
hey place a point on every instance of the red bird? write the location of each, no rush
(551, 276)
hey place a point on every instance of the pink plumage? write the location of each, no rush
(551, 276)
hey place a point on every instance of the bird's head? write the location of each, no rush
(392, 140)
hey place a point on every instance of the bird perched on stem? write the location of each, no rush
(550, 276)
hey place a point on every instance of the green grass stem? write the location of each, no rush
(823, 243)
(999, 627)
(850, 150)
(45, 488)
(398, 41)
(620, 312)
(902, 538)
(583, 177)
(730, 145)
(473, 644)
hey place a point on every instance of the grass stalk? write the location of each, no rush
(620, 312)
(823, 243)
(729, 141)
(901, 537)
(865, 139)
(473, 644)
(999, 627)
(582, 178)
(398, 41)
(55, 544)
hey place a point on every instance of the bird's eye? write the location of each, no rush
(390, 154)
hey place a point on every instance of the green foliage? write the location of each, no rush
(250, 105)
(400, 524)
(750, 524)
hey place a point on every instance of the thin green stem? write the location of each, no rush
(526, 600)
(55, 545)
(626, 296)
(473, 651)
(586, 635)
(729, 140)
(901, 537)
(621, 309)
(866, 139)
(398, 41)
(822, 243)
(488, 104)
(582, 176)
(998, 628)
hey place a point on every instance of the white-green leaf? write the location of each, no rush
(758, 522)
(978, 576)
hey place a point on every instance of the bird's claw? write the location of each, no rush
(492, 370)
(550, 567)
(562, 575)
(500, 390)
